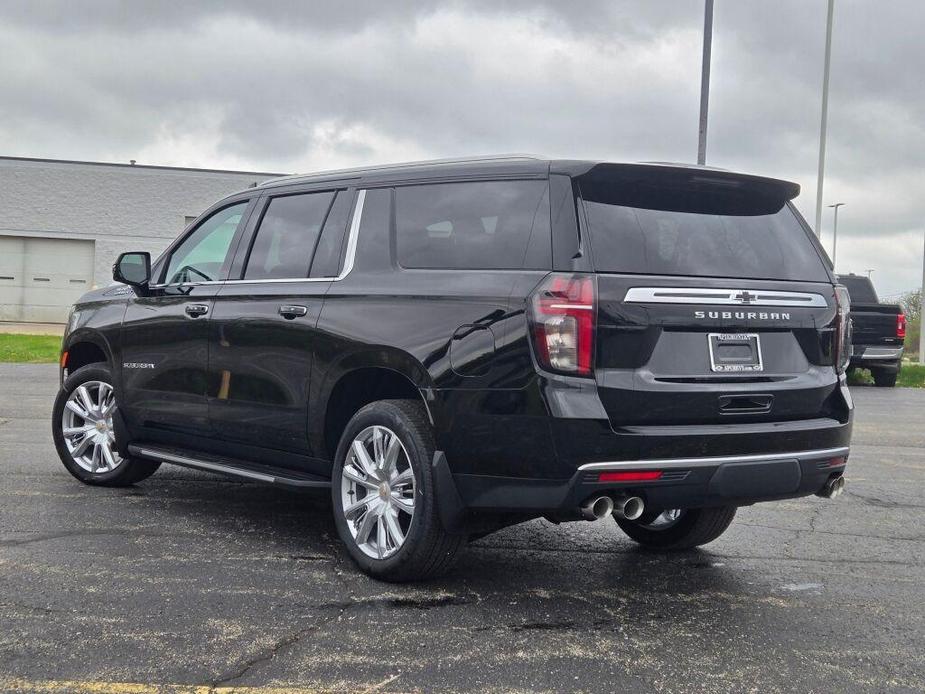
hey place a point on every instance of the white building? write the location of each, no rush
(62, 224)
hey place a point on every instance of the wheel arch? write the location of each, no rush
(360, 379)
(86, 347)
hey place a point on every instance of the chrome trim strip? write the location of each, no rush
(354, 234)
(674, 463)
(186, 461)
(277, 280)
(192, 462)
(348, 258)
(722, 297)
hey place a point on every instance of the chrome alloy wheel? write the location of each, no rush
(665, 519)
(378, 492)
(87, 427)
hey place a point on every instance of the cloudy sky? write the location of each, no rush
(298, 86)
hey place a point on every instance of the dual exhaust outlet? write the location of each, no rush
(626, 507)
(833, 487)
(631, 507)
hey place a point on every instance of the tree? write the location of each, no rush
(912, 307)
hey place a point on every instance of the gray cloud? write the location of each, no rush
(301, 86)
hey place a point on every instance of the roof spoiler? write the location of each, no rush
(693, 177)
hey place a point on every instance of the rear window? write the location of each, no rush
(485, 225)
(860, 289)
(663, 230)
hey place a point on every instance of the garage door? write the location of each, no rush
(41, 278)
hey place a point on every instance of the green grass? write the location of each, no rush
(911, 376)
(30, 349)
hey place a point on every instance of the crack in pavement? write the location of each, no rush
(882, 503)
(268, 654)
(90, 532)
(916, 538)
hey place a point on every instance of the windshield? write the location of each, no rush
(666, 230)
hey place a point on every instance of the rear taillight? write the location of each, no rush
(841, 354)
(563, 313)
(901, 326)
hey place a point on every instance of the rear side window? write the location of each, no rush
(287, 235)
(663, 230)
(328, 250)
(486, 225)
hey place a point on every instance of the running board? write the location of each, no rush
(260, 473)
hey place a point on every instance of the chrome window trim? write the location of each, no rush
(674, 463)
(722, 297)
(349, 257)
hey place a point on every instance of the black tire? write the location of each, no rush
(129, 471)
(696, 526)
(428, 550)
(884, 379)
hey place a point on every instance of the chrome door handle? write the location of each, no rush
(195, 310)
(290, 312)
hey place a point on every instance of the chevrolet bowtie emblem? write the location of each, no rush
(745, 297)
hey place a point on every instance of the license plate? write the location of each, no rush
(734, 352)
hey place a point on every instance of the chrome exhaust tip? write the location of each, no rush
(832, 488)
(629, 507)
(597, 508)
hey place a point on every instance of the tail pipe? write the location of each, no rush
(597, 507)
(629, 507)
(832, 488)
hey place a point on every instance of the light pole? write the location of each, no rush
(825, 114)
(835, 231)
(705, 81)
(921, 319)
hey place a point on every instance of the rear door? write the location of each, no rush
(263, 332)
(715, 306)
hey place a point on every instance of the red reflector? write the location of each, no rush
(630, 476)
(837, 462)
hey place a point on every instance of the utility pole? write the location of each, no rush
(835, 231)
(921, 311)
(825, 115)
(705, 80)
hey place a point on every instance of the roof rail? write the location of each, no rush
(295, 178)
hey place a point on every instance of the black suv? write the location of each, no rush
(453, 347)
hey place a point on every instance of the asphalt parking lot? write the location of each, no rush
(189, 582)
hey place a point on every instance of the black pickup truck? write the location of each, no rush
(878, 331)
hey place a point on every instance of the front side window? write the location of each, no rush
(201, 255)
(287, 235)
(485, 225)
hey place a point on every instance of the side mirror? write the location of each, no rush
(133, 269)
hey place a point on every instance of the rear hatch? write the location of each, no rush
(714, 303)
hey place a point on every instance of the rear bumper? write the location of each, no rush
(888, 358)
(684, 483)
